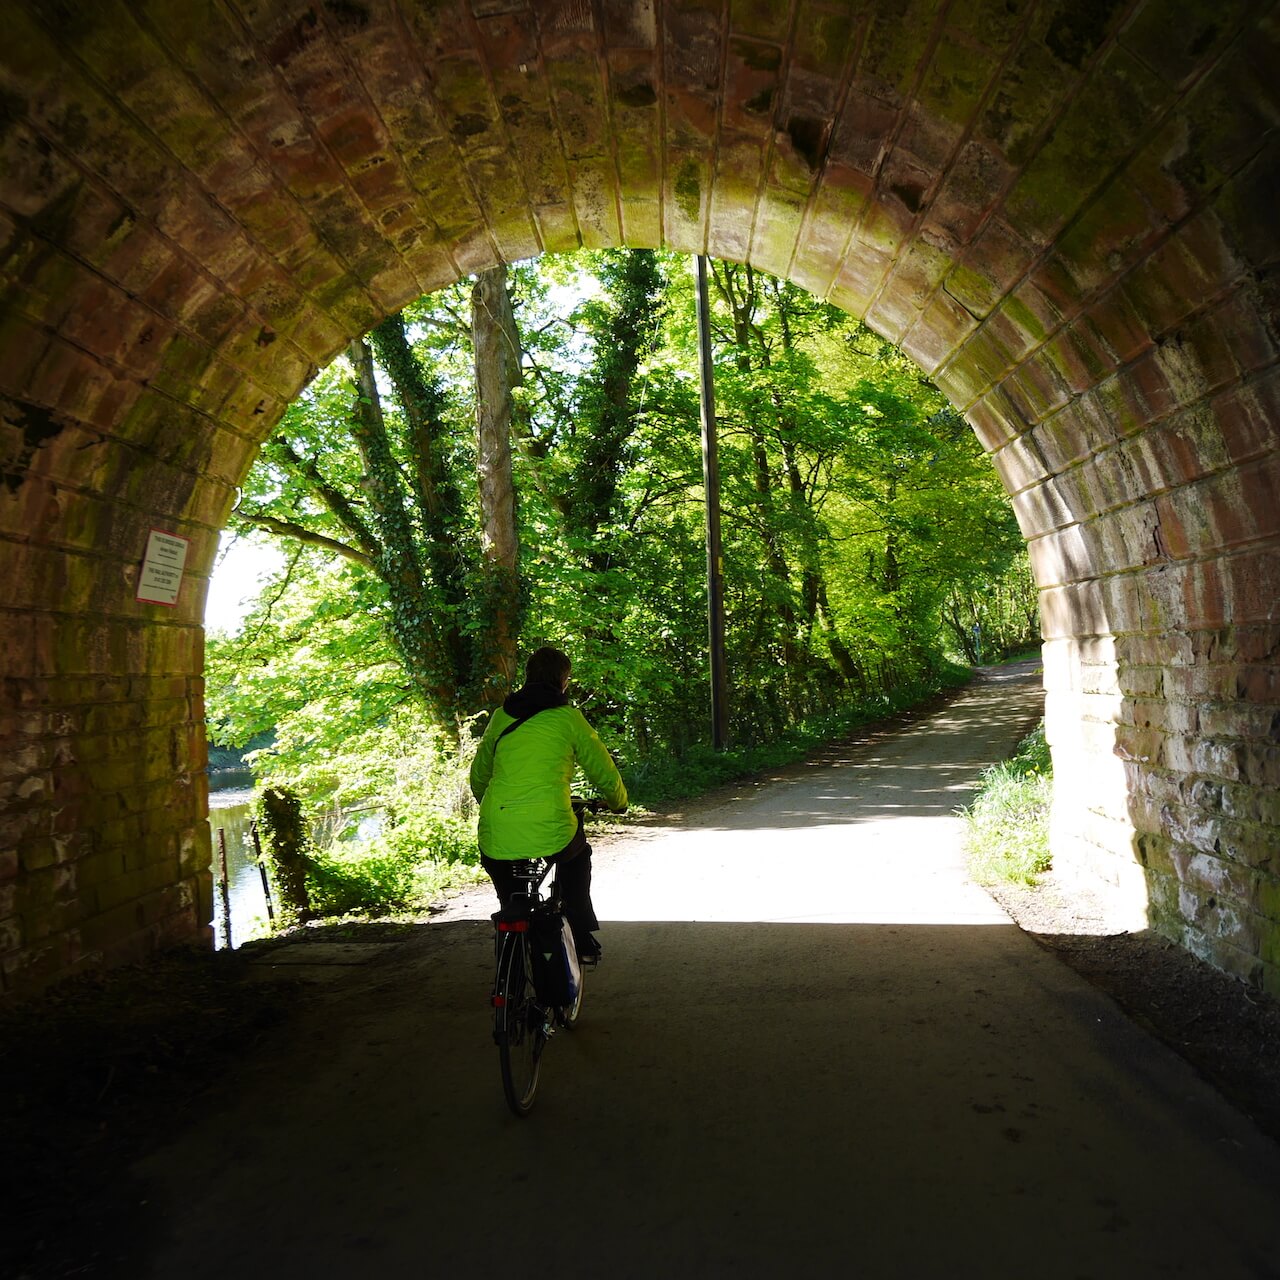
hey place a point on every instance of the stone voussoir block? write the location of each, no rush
(1241, 720)
(31, 968)
(11, 935)
(1257, 684)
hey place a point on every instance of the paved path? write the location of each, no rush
(813, 1050)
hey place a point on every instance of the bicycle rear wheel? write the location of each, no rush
(519, 1026)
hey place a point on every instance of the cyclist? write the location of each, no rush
(521, 775)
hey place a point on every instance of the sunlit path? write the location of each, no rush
(813, 1050)
(868, 834)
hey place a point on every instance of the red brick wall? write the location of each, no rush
(1065, 213)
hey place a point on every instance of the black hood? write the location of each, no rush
(533, 697)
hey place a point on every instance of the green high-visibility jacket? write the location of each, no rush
(523, 781)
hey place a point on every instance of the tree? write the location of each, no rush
(381, 485)
(623, 327)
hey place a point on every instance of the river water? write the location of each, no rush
(230, 813)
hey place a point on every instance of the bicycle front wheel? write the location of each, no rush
(519, 1026)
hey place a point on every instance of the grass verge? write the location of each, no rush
(1007, 825)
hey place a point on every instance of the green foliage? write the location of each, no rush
(412, 788)
(867, 541)
(223, 759)
(288, 845)
(311, 662)
(699, 768)
(371, 463)
(1007, 826)
(392, 873)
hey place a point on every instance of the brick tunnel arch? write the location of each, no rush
(1063, 211)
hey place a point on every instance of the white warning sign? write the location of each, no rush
(162, 566)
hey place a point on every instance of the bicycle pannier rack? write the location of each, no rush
(557, 975)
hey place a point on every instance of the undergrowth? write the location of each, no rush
(656, 779)
(1007, 825)
(405, 870)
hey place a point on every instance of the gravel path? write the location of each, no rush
(814, 1046)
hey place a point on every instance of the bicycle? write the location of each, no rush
(522, 1023)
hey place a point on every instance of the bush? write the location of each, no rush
(1007, 826)
(402, 869)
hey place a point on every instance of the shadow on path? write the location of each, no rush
(746, 1100)
(813, 1049)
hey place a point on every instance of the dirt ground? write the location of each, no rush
(93, 1073)
(1229, 1033)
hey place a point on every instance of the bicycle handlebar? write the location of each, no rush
(589, 804)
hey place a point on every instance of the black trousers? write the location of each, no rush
(573, 868)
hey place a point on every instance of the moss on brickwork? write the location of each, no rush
(558, 228)
(1176, 37)
(973, 291)
(577, 91)
(1116, 223)
(1073, 362)
(755, 55)
(764, 19)
(1097, 130)
(1029, 90)
(775, 234)
(639, 163)
(688, 190)
(1076, 29)
(462, 89)
(1222, 123)
(822, 40)
(896, 42)
(1020, 316)
(956, 81)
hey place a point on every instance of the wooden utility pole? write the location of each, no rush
(711, 484)
(224, 891)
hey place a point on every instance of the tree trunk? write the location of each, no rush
(497, 364)
(836, 646)
(608, 398)
(774, 556)
(739, 287)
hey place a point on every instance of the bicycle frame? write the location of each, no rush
(522, 1024)
(515, 920)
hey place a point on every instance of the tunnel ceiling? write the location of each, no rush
(207, 200)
